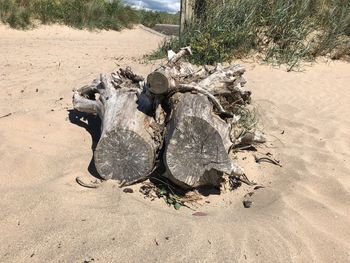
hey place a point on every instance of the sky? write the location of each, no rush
(171, 6)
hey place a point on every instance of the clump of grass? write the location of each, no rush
(172, 195)
(14, 13)
(282, 32)
(76, 13)
(47, 11)
(161, 51)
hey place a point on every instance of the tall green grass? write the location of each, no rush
(100, 14)
(280, 31)
(15, 13)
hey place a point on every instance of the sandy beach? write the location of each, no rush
(302, 215)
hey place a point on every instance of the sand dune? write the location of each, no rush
(303, 214)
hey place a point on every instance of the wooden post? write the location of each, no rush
(186, 14)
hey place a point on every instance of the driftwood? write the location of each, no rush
(180, 117)
(197, 140)
(219, 83)
(165, 79)
(197, 143)
(126, 150)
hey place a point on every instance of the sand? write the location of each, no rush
(303, 214)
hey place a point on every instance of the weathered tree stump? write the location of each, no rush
(197, 143)
(197, 140)
(127, 149)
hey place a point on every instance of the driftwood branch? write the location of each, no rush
(211, 97)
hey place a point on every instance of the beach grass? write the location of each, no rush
(277, 31)
(91, 14)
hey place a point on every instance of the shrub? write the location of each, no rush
(16, 14)
(47, 11)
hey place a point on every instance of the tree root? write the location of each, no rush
(268, 160)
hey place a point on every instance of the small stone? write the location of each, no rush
(144, 190)
(199, 214)
(128, 190)
(247, 203)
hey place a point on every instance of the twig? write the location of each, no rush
(95, 184)
(6, 115)
(267, 159)
(244, 179)
(241, 148)
(168, 185)
(211, 97)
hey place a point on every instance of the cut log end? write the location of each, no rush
(123, 155)
(158, 82)
(195, 154)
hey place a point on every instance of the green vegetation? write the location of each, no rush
(91, 14)
(280, 31)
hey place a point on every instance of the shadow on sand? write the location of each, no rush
(92, 125)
